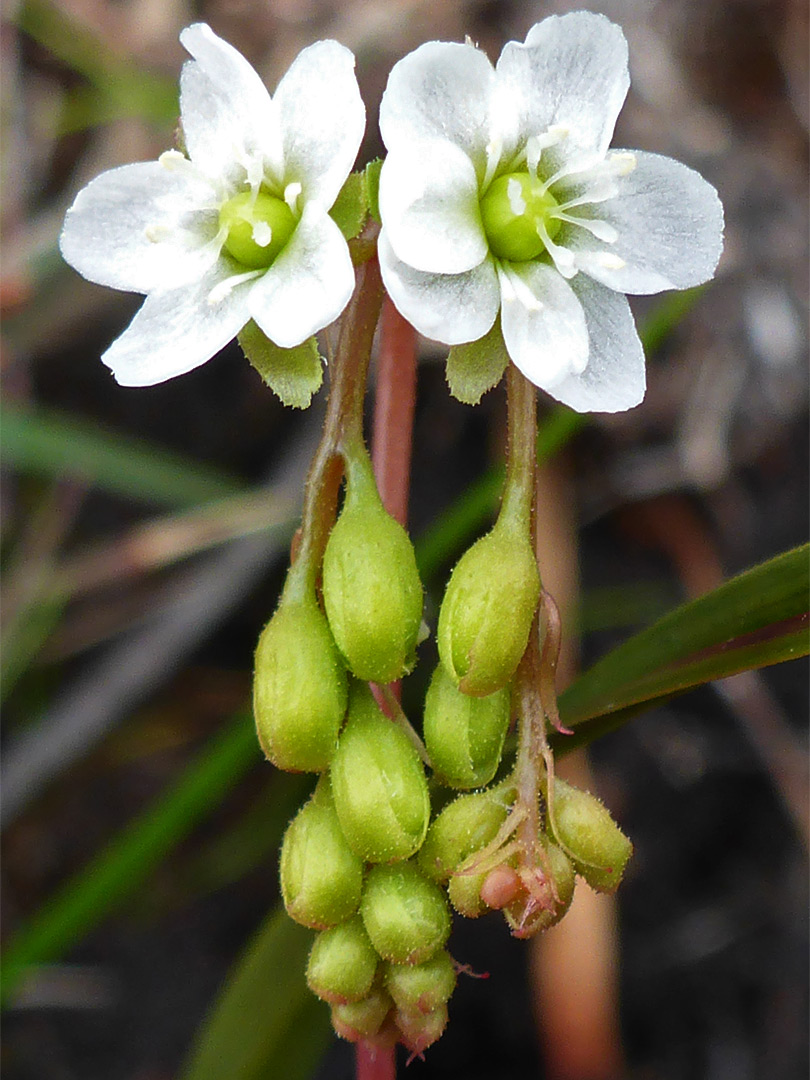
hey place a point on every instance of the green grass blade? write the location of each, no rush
(51, 444)
(101, 886)
(265, 1023)
(757, 618)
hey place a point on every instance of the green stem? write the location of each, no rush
(343, 429)
(521, 467)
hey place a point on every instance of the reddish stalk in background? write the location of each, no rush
(391, 454)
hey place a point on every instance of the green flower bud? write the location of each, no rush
(299, 688)
(464, 891)
(526, 919)
(371, 587)
(321, 877)
(488, 609)
(464, 826)
(379, 784)
(464, 735)
(420, 1030)
(422, 987)
(590, 837)
(342, 963)
(406, 915)
(361, 1019)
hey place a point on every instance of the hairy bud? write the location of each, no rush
(488, 609)
(299, 688)
(406, 915)
(584, 829)
(464, 735)
(547, 901)
(321, 877)
(462, 828)
(422, 987)
(371, 587)
(361, 1019)
(342, 963)
(420, 1030)
(379, 784)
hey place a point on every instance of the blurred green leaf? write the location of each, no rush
(755, 619)
(266, 1023)
(53, 444)
(119, 868)
(118, 87)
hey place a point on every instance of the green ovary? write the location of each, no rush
(515, 211)
(257, 228)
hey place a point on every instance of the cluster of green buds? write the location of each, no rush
(365, 864)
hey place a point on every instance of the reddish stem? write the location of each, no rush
(375, 1062)
(391, 455)
(393, 411)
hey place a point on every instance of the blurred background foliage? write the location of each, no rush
(145, 534)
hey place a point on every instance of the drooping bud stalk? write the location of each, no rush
(464, 735)
(342, 963)
(321, 877)
(378, 784)
(299, 687)
(406, 915)
(493, 591)
(371, 587)
(583, 827)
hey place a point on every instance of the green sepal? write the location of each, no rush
(350, 209)
(294, 375)
(372, 176)
(477, 366)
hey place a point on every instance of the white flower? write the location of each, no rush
(239, 228)
(499, 193)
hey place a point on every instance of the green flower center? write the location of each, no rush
(256, 227)
(516, 213)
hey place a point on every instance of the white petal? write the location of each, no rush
(322, 119)
(178, 330)
(141, 227)
(543, 323)
(614, 378)
(308, 285)
(451, 308)
(571, 71)
(669, 222)
(442, 90)
(430, 208)
(229, 122)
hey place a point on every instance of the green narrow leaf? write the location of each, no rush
(118, 869)
(477, 366)
(757, 618)
(266, 1023)
(294, 375)
(52, 444)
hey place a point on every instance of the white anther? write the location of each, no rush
(291, 193)
(514, 193)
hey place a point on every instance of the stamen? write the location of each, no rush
(562, 258)
(494, 149)
(226, 287)
(602, 230)
(291, 193)
(516, 290)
